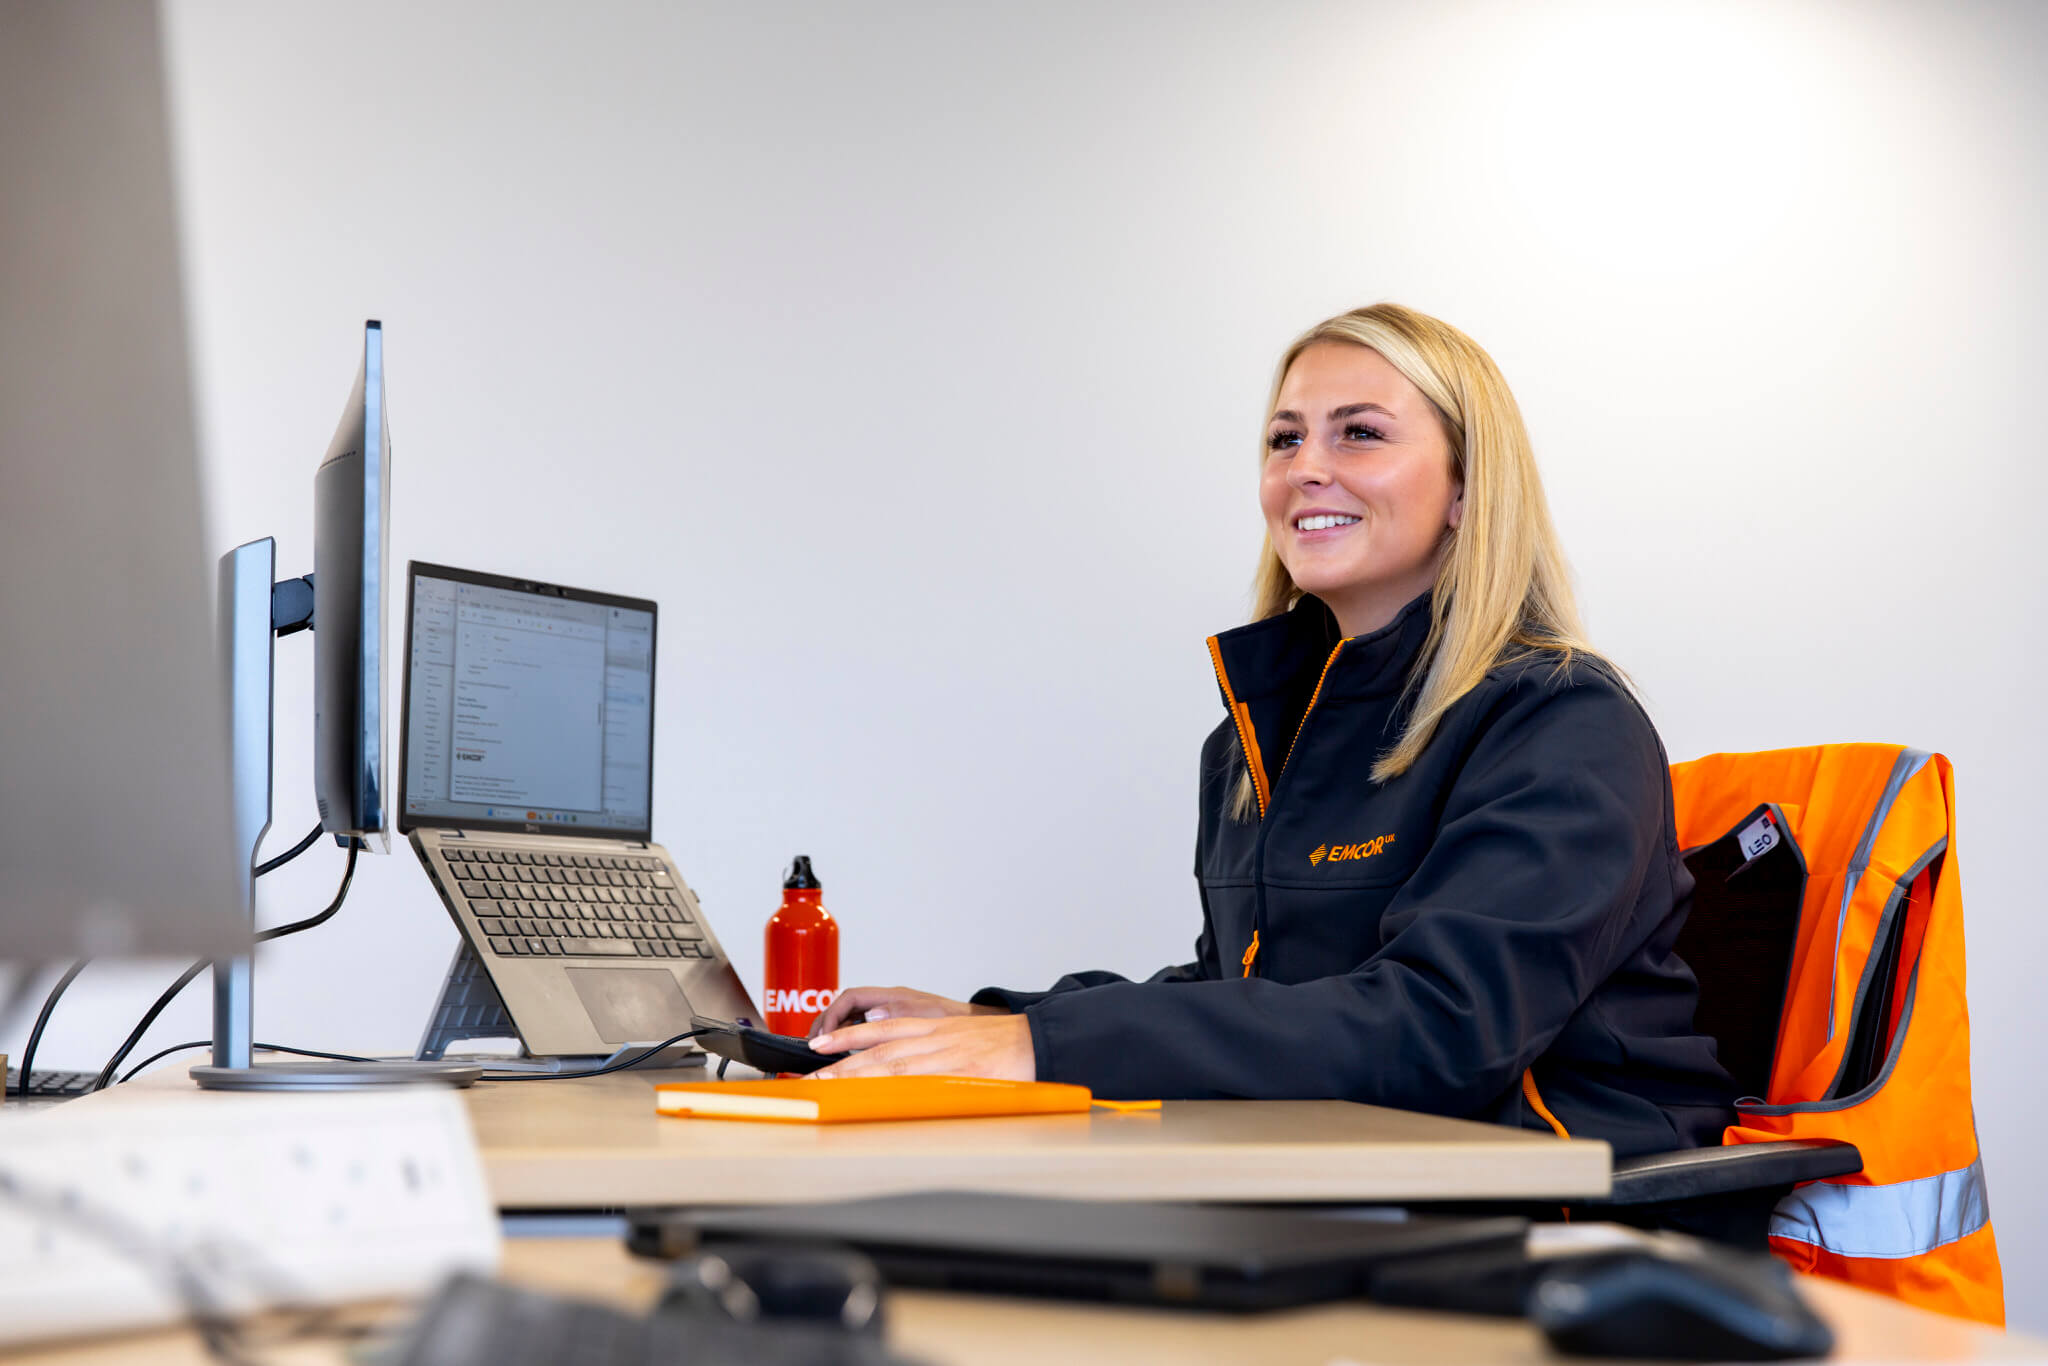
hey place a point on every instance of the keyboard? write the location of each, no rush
(52, 1085)
(533, 905)
(489, 1324)
(474, 1322)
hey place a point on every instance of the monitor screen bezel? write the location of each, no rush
(408, 821)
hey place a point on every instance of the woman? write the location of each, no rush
(1437, 859)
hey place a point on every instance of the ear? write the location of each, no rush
(1457, 513)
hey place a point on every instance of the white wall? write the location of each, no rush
(912, 358)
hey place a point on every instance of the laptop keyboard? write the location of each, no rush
(63, 1085)
(576, 905)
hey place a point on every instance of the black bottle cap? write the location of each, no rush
(801, 877)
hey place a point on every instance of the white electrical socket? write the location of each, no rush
(249, 1201)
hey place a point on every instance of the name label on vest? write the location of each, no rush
(1759, 837)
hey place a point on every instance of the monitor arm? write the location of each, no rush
(291, 605)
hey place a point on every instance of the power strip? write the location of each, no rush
(130, 1212)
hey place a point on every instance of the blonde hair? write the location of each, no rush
(1502, 587)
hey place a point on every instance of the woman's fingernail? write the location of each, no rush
(822, 1044)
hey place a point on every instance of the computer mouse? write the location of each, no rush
(1718, 1305)
(795, 1284)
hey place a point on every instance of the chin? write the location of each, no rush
(1321, 579)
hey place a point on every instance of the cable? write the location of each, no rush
(348, 875)
(35, 1035)
(106, 1075)
(187, 1274)
(28, 1052)
(272, 865)
(620, 1065)
(130, 1074)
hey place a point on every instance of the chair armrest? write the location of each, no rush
(1693, 1172)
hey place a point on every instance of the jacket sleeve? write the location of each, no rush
(1519, 909)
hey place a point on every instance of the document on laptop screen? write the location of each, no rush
(527, 707)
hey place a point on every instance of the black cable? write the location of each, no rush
(35, 1035)
(348, 875)
(130, 1074)
(28, 1052)
(106, 1075)
(272, 865)
(164, 1262)
(620, 1065)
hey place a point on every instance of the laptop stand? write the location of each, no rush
(469, 1007)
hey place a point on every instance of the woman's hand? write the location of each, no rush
(890, 1003)
(953, 1045)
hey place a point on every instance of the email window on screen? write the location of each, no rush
(529, 706)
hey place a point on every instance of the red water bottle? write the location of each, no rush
(803, 954)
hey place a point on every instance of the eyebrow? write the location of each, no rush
(1336, 414)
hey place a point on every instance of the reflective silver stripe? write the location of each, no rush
(1904, 1219)
(1909, 762)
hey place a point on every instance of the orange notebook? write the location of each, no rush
(842, 1100)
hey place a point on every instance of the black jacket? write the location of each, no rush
(1510, 903)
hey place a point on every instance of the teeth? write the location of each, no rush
(1318, 523)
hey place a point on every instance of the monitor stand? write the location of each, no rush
(254, 609)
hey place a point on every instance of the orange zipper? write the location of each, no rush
(1312, 697)
(1242, 717)
(1535, 1099)
(1248, 740)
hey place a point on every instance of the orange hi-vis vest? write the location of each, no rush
(1876, 824)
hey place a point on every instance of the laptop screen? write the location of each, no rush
(527, 707)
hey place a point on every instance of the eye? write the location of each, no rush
(1283, 440)
(1358, 431)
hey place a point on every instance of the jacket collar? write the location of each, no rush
(1273, 672)
(1270, 659)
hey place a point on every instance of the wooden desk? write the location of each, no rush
(979, 1330)
(597, 1143)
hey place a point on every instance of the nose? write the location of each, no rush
(1310, 466)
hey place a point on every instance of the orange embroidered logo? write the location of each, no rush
(1339, 853)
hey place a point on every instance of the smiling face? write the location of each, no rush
(1358, 488)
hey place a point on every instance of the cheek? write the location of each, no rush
(1274, 495)
(1423, 499)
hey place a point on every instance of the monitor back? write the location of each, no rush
(114, 826)
(351, 552)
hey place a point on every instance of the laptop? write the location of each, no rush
(526, 789)
(1215, 1256)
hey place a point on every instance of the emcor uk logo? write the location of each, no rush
(1339, 853)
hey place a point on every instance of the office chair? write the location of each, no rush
(1827, 935)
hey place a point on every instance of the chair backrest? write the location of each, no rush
(1738, 939)
(1873, 1035)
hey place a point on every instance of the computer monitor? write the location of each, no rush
(351, 554)
(114, 827)
(351, 520)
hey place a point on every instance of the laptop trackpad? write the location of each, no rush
(632, 1005)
